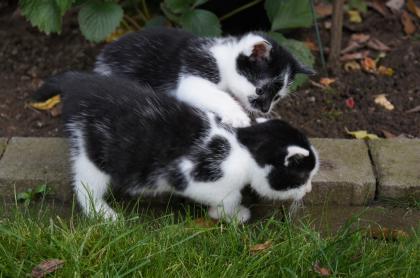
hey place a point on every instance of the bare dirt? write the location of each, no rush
(28, 56)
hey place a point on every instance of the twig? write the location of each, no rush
(336, 34)
(318, 36)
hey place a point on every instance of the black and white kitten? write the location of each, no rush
(212, 74)
(128, 138)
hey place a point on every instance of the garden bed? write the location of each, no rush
(28, 56)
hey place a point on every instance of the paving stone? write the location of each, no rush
(3, 142)
(28, 162)
(397, 164)
(346, 176)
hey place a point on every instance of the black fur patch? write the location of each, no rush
(208, 161)
(177, 179)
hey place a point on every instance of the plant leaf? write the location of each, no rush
(413, 8)
(408, 24)
(64, 5)
(354, 16)
(99, 19)
(46, 267)
(359, 5)
(44, 14)
(290, 14)
(384, 102)
(179, 6)
(201, 23)
(260, 247)
(48, 104)
(322, 271)
(362, 134)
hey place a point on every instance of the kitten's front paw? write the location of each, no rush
(236, 119)
(243, 214)
(240, 215)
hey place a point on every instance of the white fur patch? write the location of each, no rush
(292, 151)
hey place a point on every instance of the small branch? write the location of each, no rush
(240, 9)
(336, 34)
(132, 22)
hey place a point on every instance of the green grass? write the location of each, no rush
(147, 246)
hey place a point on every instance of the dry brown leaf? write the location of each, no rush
(351, 66)
(322, 271)
(326, 81)
(323, 9)
(56, 110)
(388, 135)
(368, 64)
(384, 102)
(377, 45)
(360, 38)
(395, 5)
(379, 6)
(261, 247)
(354, 56)
(352, 46)
(205, 222)
(414, 110)
(311, 45)
(413, 8)
(354, 16)
(382, 70)
(407, 22)
(46, 267)
(386, 234)
(316, 84)
(48, 104)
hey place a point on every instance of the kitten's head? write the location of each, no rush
(287, 161)
(268, 68)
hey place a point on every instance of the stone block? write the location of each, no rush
(3, 143)
(28, 162)
(397, 164)
(346, 176)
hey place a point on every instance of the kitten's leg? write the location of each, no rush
(91, 185)
(230, 210)
(205, 95)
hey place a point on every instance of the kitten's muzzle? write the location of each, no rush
(261, 104)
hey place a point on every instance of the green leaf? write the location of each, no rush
(271, 7)
(201, 23)
(179, 6)
(199, 2)
(64, 5)
(44, 14)
(156, 21)
(300, 51)
(99, 19)
(41, 189)
(290, 14)
(359, 5)
(23, 196)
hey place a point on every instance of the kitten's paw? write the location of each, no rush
(243, 214)
(237, 119)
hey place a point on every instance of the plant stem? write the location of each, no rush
(318, 37)
(145, 9)
(240, 9)
(336, 34)
(132, 22)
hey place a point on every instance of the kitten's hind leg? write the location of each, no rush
(91, 185)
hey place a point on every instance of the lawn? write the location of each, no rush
(166, 246)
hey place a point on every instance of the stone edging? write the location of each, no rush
(352, 172)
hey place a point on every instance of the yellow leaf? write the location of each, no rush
(354, 16)
(368, 64)
(413, 8)
(385, 71)
(362, 134)
(48, 104)
(261, 247)
(351, 66)
(118, 33)
(384, 102)
(326, 81)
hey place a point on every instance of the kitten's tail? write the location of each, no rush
(50, 88)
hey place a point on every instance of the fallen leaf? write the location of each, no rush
(382, 70)
(414, 110)
(351, 66)
(326, 81)
(395, 5)
(205, 222)
(311, 45)
(362, 134)
(56, 110)
(352, 46)
(350, 103)
(388, 135)
(354, 56)
(323, 9)
(379, 6)
(327, 24)
(386, 234)
(360, 38)
(316, 84)
(384, 102)
(407, 22)
(48, 104)
(413, 8)
(260, 247)
(46, 267)
(376, 44)
(322, 271)
(354, 16)
(368, 64)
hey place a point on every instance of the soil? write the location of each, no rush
(28, 56)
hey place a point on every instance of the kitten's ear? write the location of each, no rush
(304, 70)
(295, 153)
(259, 50)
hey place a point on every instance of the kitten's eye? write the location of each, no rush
(259, 91)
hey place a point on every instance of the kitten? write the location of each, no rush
(131, 139)
(212, 74)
